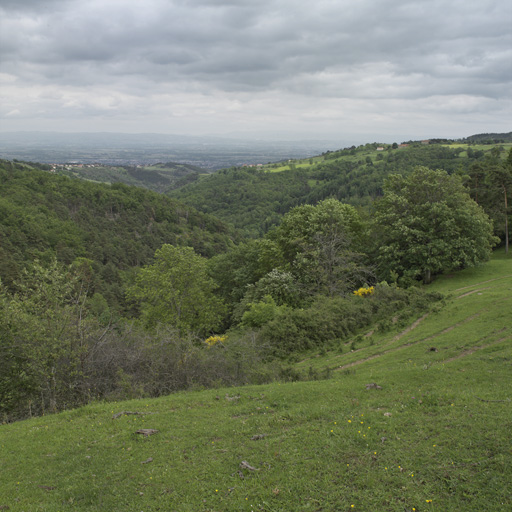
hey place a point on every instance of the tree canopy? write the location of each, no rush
(177, 291)
(427, 224)
(43, 216)
(320, 245)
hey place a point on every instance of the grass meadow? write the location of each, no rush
(435, 437)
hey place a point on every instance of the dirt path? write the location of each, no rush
(470, 351)
(448, 329)
(473, 291)
(406, 345)
(361, 361)
(483, 282)
(408, 329)
(395, 338)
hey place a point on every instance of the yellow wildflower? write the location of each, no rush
(364, 292)
(213, 340)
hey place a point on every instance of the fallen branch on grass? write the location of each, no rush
(482, 400)
(127, 413)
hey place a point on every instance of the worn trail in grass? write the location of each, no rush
(480, 317)
(436, 437)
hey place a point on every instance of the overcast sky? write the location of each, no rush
(357, 71)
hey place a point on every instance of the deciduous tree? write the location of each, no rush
(322, 245)
(426, 224)
(44, 341)
(499, 177)
(176, 290)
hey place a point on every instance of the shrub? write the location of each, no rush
(262, 312)
(328, 320)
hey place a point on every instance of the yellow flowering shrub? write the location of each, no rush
(364, 292)
(213, 340)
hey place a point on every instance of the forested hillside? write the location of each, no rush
(117, 228)
(254, 199)
(158, 177)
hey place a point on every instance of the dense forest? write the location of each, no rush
(117, 227)
(157, 177)
(112, 291)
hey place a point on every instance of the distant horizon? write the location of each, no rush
(246, 136)
(210, 152)
(122, 148)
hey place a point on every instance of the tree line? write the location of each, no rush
(254, 200)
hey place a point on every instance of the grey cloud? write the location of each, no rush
(213, 41)
(368, 49)
(31, 5)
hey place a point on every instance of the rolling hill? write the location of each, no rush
(253, 199)
(415, 419)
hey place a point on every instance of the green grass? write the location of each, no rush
(439, 429)
(296, 164)
(486, 148)
(310, 162)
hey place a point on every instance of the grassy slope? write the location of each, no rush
(373, 153)
(330, 445)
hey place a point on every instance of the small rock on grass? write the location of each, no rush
(257, 437)
(147, 431)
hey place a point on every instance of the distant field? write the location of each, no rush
(297, 164)
(373, 154)
(436, 437)
(480, 147)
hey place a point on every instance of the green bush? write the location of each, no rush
(328, 320)
(262, 312)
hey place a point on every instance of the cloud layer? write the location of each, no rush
(331, 68)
